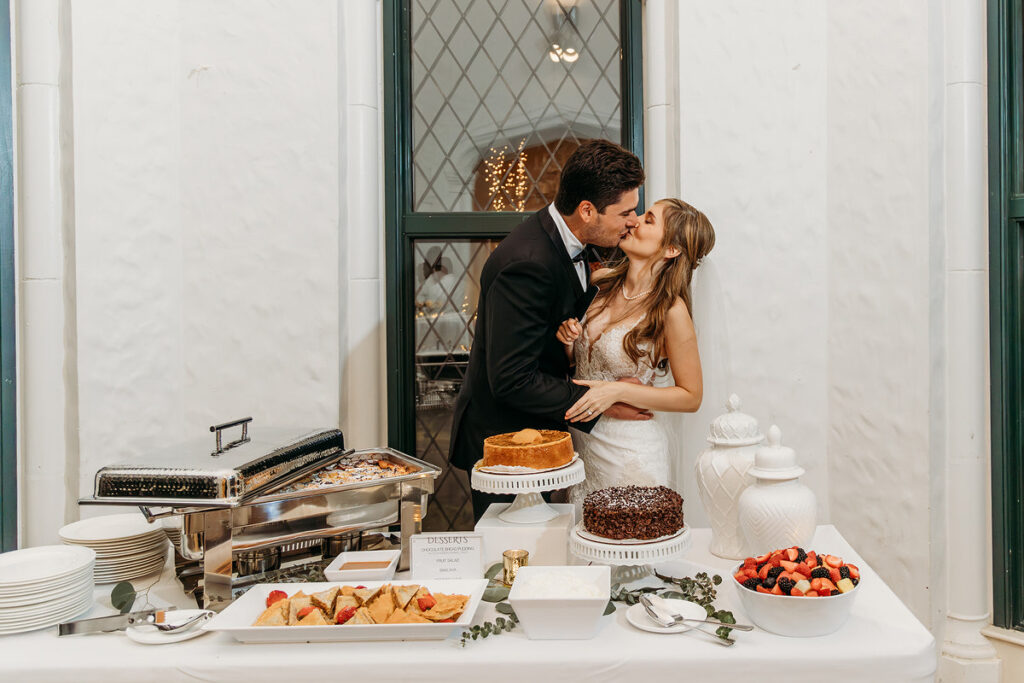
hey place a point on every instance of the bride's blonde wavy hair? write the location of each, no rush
(692, 234)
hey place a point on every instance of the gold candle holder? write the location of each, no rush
(512, 560)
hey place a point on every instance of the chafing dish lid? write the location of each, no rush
(192, 472)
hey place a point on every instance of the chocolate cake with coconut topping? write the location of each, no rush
(642, 512)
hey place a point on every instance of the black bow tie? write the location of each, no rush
(580, 257)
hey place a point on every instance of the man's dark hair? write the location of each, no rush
(598, 172)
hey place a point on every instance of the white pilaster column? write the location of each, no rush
(966, 654)
(364, 395)
(47, 464)
(661, 105)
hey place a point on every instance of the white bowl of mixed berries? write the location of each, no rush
(796, 593)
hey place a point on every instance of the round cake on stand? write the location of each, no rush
(631, 528)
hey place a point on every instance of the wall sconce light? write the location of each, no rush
(566, 34)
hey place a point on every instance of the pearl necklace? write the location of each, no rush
(635, 296)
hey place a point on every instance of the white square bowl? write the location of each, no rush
(333, 571)
(560, 618)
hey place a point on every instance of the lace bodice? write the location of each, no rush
(606, 358)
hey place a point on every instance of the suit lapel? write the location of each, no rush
(548, 223)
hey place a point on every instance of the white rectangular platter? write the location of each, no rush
(238, 617)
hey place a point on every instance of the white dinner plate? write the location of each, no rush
(582, 531)
(148, 635)
(130, 560)
(108, 528)
(28, 567)
(238, 617)
(48, 620)
(637, 616)
(46, 595)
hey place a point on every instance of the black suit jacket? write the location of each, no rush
(518, 374)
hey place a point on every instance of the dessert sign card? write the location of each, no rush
(448, 555)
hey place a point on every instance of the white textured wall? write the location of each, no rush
(804, 135)
(207, 185)
(753, 158)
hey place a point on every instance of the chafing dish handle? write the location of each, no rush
(217, 429)
(153, 516)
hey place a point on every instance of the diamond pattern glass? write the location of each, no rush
(447, 276)
(502, 92)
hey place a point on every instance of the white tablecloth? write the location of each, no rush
(882, 641)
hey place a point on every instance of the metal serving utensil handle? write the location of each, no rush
(217, 429)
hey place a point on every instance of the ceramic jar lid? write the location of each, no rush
(775, 461)
(734, 428)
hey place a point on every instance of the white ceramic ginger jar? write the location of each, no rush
(777, 511)
(722, 475)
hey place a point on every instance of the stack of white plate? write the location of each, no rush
(127, 546)
(43, 586)
(172, 527)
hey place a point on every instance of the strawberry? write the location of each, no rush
(802, 571)
(791, 554)
(775, 561)
(827, 587)
(789, 566)
(854, 572)
(762, 589)
(426, 602)
(764, 571)
(816, 584)
(761, 558)
(796, 592)
(833, 574)
(344, 615)
(275, 596)
(812, 559)
(833, 561)
(811, 594)
(304, 611)
(776, 590)
(740, 576)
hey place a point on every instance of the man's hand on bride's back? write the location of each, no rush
(569, 331)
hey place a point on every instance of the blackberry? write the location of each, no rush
(752, 583)
(786, 585)
(761, 565)
(844, 572)
(820, 573)
(769, 583)
(800, 555)
(820, 561)
(855, 581)
(775, 571)
(836, 591)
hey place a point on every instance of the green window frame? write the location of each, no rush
(403, 224)
(8, 411)
(1006, 286)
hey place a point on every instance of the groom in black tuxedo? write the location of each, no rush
(518, 374)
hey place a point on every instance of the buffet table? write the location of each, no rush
(882, 642)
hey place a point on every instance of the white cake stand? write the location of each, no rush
(632, 553)
(528, 507)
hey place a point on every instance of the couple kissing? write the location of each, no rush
(557, 346)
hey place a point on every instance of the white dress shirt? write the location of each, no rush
(572, 244)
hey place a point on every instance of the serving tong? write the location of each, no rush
(663, 616)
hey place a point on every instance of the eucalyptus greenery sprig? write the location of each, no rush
(496, 592)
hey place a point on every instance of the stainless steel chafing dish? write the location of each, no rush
(239, 498)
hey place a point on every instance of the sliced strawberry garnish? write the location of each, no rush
(344, 615)
(854, 572)
(740, 576)
(761, 558)
(776, 590)
(304, 611)
(802, 571)
(834, 574)
(812, 559)
(763, 574)
(762, 589)
(833, 561)
(426, 602)
(791, 554)
(789, 566)
(276, 596)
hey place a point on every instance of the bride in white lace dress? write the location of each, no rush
(639, 324)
